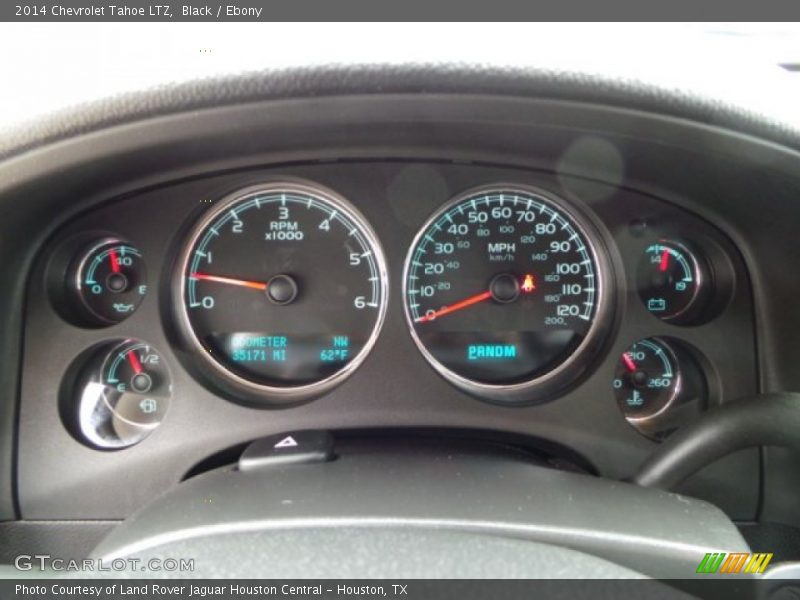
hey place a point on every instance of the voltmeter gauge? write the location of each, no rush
(658, 385)
(122, 395)
(673, 281)
(108, 281)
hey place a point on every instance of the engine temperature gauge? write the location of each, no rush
(122, 395)
(658, 385)
(673, 281)
(109, 281)
(647, 380)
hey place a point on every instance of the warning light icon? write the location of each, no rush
(528, 284)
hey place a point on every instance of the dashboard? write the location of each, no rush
(500, 291)
(167, 326)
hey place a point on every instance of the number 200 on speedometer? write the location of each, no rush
(505, 293)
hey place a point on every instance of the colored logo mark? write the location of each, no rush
(734, 562)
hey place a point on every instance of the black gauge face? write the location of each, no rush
(647, 379)
(110, 281)
(124, 394)
(502, 287)
(283, 287)
(670, 280)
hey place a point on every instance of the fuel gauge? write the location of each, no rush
(122, 395)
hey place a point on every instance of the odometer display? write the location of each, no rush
(283, 289)
(503, 287)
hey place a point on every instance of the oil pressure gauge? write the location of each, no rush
(108, 281)
(122, 395)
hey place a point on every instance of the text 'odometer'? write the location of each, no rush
(503, 287)
(283, 289)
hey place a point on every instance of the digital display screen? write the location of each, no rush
(295, 359)
(500, 356)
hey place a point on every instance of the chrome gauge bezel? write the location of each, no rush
(240, 387)
(547, 386)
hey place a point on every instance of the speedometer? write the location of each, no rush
(505, 293)
(282, 291)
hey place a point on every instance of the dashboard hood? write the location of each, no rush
(679, 71)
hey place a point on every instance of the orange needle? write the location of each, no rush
(256, 285)
(454, 307)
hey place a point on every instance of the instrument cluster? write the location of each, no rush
(277, 291)
(179, 322)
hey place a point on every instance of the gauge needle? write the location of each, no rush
(446, 310)
(256, 285)
(662, 266)
(135, 364)
(629, 364)
(114, 261)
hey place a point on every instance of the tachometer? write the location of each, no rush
(505, 293)
(282, 291)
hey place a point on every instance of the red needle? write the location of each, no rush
(114, 261)
(454, 307)
(629, 364)
(662, 266)
(135, 364)
(256, 285)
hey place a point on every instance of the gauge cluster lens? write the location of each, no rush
(503, 287)
(283, 288)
